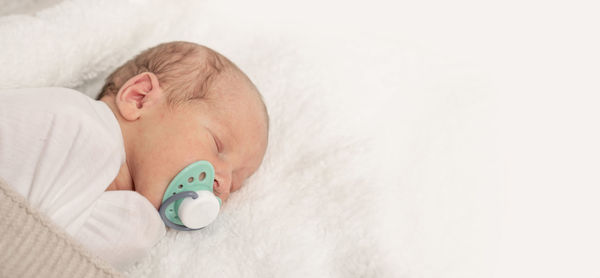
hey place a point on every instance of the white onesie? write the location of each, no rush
(61, 149)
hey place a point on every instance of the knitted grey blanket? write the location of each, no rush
(33, 246)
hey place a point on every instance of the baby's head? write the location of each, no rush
(178, 103)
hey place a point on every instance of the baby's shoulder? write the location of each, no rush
(69, 113)
(46, 100)
(91, 118)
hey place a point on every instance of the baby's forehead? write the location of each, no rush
(240, 112)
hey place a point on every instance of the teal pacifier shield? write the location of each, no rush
(197, 176)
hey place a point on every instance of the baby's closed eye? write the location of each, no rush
(218, 144)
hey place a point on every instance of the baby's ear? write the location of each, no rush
(137, 95)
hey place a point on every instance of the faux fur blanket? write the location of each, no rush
(408, 139)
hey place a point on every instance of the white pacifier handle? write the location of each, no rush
(165, 204)
(197, 213)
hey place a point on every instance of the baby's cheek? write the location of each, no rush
(235, 186)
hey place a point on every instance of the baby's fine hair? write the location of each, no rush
(185, 70)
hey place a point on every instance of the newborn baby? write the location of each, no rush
(99, 169)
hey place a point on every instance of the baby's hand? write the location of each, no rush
(121, 228)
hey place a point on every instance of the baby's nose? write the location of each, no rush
(220, 190)
(218, 184)
(222, 180)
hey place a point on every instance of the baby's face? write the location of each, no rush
(227, 129)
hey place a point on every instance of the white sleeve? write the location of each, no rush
(121, 228)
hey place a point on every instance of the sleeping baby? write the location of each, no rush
(101, 169)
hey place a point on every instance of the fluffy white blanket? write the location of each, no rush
(407, 140)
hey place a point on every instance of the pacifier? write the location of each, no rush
(189, 202)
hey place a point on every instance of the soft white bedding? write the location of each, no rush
(407, 140)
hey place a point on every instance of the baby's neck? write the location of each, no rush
(123, 180)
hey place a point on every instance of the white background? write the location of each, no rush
(488, 121)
